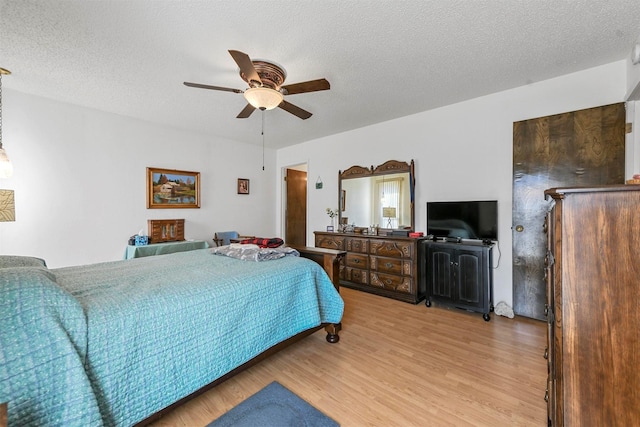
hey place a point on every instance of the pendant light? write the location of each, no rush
(6, 168)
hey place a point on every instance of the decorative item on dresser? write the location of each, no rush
(592, 275)
(383, 265)
(165, 230)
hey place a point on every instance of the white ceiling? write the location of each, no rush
(384, 59)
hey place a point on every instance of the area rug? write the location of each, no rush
(274, 406)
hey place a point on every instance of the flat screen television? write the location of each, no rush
(464, 219)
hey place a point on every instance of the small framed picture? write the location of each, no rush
(330, 228)
(243, 186)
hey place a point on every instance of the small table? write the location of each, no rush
(164, 248)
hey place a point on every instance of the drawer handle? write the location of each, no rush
(388, 265)
(388, 281)
(546, 353)
(356, 261)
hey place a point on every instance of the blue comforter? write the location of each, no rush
(112, 343)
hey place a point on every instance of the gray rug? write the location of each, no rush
(274, 406)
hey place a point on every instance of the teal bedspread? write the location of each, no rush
(112, 343)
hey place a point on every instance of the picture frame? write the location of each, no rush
(330, 228)
(172, 189)
(243, 186)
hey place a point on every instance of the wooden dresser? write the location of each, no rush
(383, 265)
(593, 306)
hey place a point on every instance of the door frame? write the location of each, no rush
(301, 166)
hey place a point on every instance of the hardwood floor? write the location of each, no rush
(399, 364)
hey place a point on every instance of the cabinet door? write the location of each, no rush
(468, 280)
(440, 271)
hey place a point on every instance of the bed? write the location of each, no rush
(116, 343)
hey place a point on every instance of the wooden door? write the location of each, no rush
(296, 215)
(580, 148)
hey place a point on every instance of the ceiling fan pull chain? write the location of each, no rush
(262, 139)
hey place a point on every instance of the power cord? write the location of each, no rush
(499, 254)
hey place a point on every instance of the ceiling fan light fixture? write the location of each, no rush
(263, 98)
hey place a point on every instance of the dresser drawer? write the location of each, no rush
(330, 242)
(357, 260)
(392, 249)
(357, 275)
(381, 265)
(397, 266)
(392, 282)
(357, 245)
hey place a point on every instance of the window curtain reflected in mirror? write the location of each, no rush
(388, 195)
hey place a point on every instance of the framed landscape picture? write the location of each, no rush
(170, 189)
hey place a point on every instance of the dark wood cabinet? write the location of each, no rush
(592, 306)
(459, 275)
(383, 265)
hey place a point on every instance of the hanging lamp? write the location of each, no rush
(6, 168)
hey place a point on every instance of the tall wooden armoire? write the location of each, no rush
(593, 306)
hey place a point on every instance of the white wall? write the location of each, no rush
(633, 79)
(80, 181)
(632, 164)
(632, 141)
(462, 151)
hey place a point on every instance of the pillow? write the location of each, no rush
(26, 275)
(7, 261)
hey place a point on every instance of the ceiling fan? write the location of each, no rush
(266, 91)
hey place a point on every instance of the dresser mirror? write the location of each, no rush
(379, 196)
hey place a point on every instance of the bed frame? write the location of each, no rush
(329, 259)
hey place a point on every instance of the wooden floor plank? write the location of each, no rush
(399, 364)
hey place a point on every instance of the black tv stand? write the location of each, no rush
(459, 275)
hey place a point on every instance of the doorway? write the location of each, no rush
(296, 205)
(579, 148)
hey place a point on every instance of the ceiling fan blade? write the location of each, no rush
(295, 110)
(201, 86)
(310, 86)
(246, 112)
(246, 67)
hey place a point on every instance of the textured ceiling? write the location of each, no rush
(384, 59)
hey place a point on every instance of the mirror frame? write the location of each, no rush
(387, 168)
